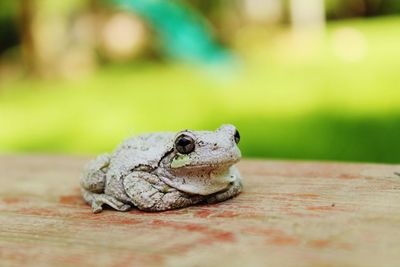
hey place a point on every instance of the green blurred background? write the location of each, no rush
(301, 79)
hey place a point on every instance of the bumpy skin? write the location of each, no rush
(149, 173)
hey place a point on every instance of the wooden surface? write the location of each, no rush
(290, 214)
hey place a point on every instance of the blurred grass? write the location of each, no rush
(290, 99)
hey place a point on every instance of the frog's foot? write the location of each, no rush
(98, 200)
(148, 192)
(232, 191)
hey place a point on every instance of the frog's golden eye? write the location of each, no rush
(237, 137)
(184, 144)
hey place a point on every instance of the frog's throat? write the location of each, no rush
(202, 183)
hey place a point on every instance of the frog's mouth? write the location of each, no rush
(182, 162)
(207, 166)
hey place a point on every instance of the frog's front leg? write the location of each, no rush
(93, 184)
(148, 192)
(234, 189)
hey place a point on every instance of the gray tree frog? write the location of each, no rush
(162, 171)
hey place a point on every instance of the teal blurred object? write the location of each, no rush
(183, 33)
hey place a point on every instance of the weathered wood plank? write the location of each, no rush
(290, 214)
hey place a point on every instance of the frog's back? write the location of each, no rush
(140, 151)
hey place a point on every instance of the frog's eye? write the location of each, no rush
(237, 137)
(184, 144)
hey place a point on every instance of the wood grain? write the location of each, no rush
(290, 214)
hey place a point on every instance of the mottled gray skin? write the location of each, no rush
(149, 173)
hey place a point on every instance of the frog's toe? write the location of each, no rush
(233, 190)
(96, 208)
(125, 207)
